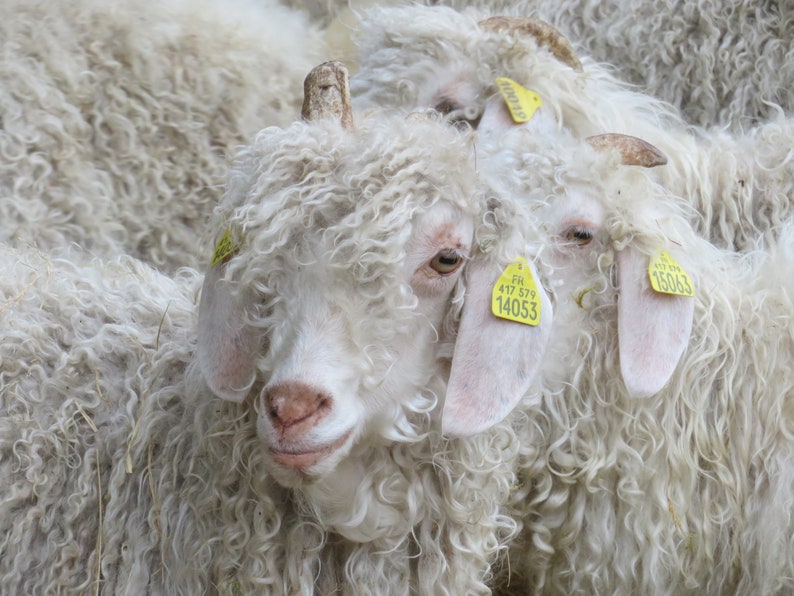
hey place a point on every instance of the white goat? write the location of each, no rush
(659, 458)
(118, 120)
(722, 63)
(437, 57)
(417, 57)
(327, 322)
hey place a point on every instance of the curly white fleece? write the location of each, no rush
(416, 56)
(724, 63)
(689, 490)
(118, 119)
(173, 491)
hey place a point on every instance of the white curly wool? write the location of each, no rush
(721, 63)
(118, 119)
(348, 258)
(658, 459)
(437, 57)
(741, 184)
(83, 348)
(724, 63)
(418, 57)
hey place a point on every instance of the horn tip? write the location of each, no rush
(633, 150)
(326, 92)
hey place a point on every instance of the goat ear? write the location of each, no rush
(653, 328)
(226, 346)
(495, 360)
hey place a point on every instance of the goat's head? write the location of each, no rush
(436, 57)
(333, 299)
(604, 221)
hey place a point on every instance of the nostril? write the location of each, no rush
(273, 411)
(288, 404)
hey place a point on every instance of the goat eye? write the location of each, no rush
(578, 235)
(445, 262)
(445, 107)
(458, 115)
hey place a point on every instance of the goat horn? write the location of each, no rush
(545, 34)
(633, 151)
(326, 94)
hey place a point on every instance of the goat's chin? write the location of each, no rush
(295, 466)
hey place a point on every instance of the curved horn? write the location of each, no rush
(326, 94)
(633, 151)
(545, 34)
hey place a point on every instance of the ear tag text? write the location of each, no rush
(521, 102)
(515, 295)
(224, 250)
(667, 276)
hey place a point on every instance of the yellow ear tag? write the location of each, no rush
(225, 249)
(521, 102)
(668, 276)
(515, 295)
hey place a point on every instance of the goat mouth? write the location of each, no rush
(300, 460)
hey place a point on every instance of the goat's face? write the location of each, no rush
(330, 312)
(352, 340)
(605, 222)
(436, 57)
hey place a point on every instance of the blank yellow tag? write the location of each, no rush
(521, 102)
(668, 276)
(515, 295)
(225, 248)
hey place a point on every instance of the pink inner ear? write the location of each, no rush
(653, 328)
(495, 361)
(226, 347)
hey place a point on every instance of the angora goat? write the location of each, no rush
(437, 57)
(418, 57)
(327, 322)
(660, 458)
(722, 63)
(118, 120)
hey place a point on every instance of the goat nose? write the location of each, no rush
(291, 403)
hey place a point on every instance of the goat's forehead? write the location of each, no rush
(580, 203)
(478, 53)
(361, 195)
(443, 225)
(378, 203)
(383, 187)
(367, 240)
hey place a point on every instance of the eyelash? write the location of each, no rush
(579, 235)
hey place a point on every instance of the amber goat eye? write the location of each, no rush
(446, 262)
(578, 235)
